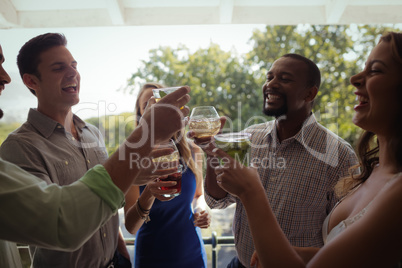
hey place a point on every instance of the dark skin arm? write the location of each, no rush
(210, 178)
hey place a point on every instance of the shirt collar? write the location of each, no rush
(46, 126)
(303, 136)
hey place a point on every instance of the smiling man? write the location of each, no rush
(299, 161)
(65, 217)
(57, 146)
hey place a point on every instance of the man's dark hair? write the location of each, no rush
(28, 57)
(314, 74)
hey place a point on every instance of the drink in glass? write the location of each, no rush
(173, 177)
(159, 93)
(204, 121)
(169, 161)
(236, 144)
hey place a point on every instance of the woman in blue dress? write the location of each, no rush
(170, 236)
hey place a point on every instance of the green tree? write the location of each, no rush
(338, 50)
(6, 129)
(114, 128)
(218, 78)
(232, 83)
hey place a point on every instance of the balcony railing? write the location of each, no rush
(214, 241)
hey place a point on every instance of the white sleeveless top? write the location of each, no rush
(341, 226)
(347, 222)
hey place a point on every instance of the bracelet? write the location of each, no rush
(145, 211)
(145, 217)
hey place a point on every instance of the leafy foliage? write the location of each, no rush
(6, 129)
(216, 77)
(114, 128)
(232, 83)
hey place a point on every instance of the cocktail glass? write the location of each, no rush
(235, 144)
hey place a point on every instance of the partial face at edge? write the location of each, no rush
(378, 89)
(4, 77)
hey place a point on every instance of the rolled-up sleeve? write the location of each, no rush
(218, 203)
(104, 188)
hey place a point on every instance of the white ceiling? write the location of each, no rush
(93, 13)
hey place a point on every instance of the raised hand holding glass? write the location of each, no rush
(169, 161)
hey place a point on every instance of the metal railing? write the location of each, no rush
(214, 241)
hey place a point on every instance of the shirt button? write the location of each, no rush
(66, 162)
(273, 179)
(72, 138)
(88, 161)
(104, 234)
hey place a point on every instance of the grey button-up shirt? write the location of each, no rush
(42, 147)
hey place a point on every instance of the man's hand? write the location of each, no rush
(162, 120)
(204, 143)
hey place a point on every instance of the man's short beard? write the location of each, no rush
(277, 112)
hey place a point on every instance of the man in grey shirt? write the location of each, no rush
(57, 146)
(52, 216)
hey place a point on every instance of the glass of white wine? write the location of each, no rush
(204, 122)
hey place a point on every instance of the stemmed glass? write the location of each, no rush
(204, 122)
(168, 161)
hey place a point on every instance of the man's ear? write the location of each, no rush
(31, 81)
(311, 93)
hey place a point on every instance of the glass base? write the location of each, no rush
(171, 195)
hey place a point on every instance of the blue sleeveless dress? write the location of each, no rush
(170, 239)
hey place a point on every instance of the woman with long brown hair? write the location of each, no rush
(172, 237)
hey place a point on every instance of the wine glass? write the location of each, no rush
(169, 161)
(204, 122)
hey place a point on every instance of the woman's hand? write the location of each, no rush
(202, 219)
(205, 143)
(235, 178)
(155, 189)
(149, 169)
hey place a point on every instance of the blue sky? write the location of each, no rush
(106, 59)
